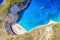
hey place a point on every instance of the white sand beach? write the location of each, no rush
(18, 29)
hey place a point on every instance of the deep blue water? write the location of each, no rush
(1, 1)
(38, 13)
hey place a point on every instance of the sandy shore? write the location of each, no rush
(18, 29)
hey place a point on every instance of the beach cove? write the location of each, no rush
(31, 14)
(38, 13)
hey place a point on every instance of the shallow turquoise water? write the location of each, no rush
(38, 13)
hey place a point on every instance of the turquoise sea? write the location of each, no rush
(39, 12)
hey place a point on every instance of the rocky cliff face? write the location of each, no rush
(13, 16)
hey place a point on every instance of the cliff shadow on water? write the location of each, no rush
(21, 13)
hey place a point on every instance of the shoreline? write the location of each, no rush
(50, 22)
(18, 29)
